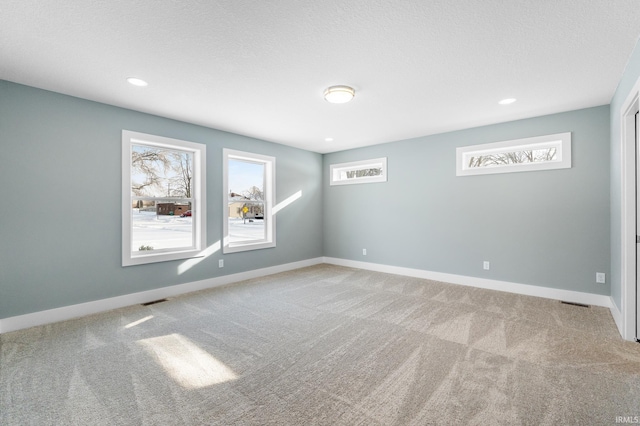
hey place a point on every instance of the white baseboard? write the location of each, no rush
(525, 289)
(74, 311)
(88, 308)
(617, 316)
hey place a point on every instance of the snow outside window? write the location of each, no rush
(249, 192)
(366, 171)
(521, 155)
(163, 198)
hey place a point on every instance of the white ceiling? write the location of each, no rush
(259, 68)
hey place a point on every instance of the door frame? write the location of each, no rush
(631, 105)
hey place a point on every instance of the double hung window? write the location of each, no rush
(249, 186)
(163, 198)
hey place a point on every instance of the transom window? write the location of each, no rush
(537, 153)
(163, 205)
(249, 186)
(366, 171)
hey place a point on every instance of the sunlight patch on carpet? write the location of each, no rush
(140, 321)
(186, 363)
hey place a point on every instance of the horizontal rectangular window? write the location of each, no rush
(163, 198)
(366, 171)
(529, 154)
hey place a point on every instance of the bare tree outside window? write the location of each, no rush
(161, 189)
(514, 157)
(363, 171)
(374, 171)
(159, 172)
(146, 167)
(182, 165)
(164, 198)
(249, 184)
(254, 194)
(537, 153)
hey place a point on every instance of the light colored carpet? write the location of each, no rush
(325, 345)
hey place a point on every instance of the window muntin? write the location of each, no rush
(249, 185)
(537, 153)
(163, 206)
(366, 171)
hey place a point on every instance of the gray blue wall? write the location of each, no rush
(61, 181)
(60, 184)
(545, 228)
(629, 78)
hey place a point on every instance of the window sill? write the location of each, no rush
(239, 247)
(161, 257)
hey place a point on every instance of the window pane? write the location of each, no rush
(249, 185)
(246, 179)
(359, 173)
(164, 198)
(514, 157)
(246, 221)
(246, 201)
(365, 171)
(161, 225)
(161, 172)
(548, 152)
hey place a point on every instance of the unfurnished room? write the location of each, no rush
(319, 212)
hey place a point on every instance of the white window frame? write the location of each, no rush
(561, 141)
(269, 198)
(335, 170)
(198, 207)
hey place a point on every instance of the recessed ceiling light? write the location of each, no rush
(339, 94)
(507, 101)
(137, 82)
(328, 139)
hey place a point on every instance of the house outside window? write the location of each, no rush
(249, 192)
(163, 198)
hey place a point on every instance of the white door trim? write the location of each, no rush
(637, 289)
(628, 237)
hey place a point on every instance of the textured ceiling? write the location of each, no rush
(259, 68)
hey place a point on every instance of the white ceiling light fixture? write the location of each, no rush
(339, 94)
(328, 139)
(137, 82)
(507, 101)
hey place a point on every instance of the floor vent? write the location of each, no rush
(154, 302)
(582, 305)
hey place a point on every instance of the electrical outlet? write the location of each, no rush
(486, 265)
(600, 278)
(221, 263)
(364, 252)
